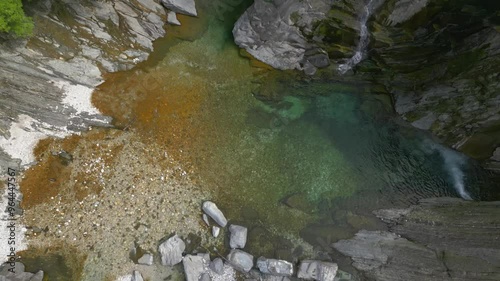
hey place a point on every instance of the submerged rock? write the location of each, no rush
(275, 267)
(213, 211)
(186, 7)
(238, 236)
(240, 260)
(171, 250)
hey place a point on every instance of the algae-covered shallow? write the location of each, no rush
(308, 159)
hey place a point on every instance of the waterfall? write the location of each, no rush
(453, 162)
(364, 39)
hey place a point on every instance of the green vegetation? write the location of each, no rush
(13, 20)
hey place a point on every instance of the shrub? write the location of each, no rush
(13, 20)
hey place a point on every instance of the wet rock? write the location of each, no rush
(171, 250)
(238, 236)
(317, 270)
(275, 267)
(146, 259)
(217, 265)
(240, 260)
(137, 276)
(213, 211)
(215, 231)
(65, 156)
(300, 202)
(194, 267)
(172, 18)
(186, 7)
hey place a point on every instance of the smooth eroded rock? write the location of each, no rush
(171, 250)
(214, 212)
(238, 236)
(240, 260)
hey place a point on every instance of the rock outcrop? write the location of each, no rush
(47, 80)
(438, 239)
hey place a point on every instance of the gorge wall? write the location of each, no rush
(439, 60)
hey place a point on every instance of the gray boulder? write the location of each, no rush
(238, 236)
(186, 7)
(240, 260)
(217, 265)
(213, 211)
(317, 270)
(271, 30)
(171, 250)
(275, 267)
(194, 266)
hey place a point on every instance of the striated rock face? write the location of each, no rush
(273, 31)
(438, 239)
(438, 59)
(47, 81)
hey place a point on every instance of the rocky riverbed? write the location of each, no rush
(311, 169)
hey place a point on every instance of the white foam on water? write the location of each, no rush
(453, 162)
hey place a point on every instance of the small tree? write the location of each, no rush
(13, 20)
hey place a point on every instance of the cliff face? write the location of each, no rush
(439, 60)
(438, 239)
(46, 81)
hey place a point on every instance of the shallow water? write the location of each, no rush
(293, 159)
